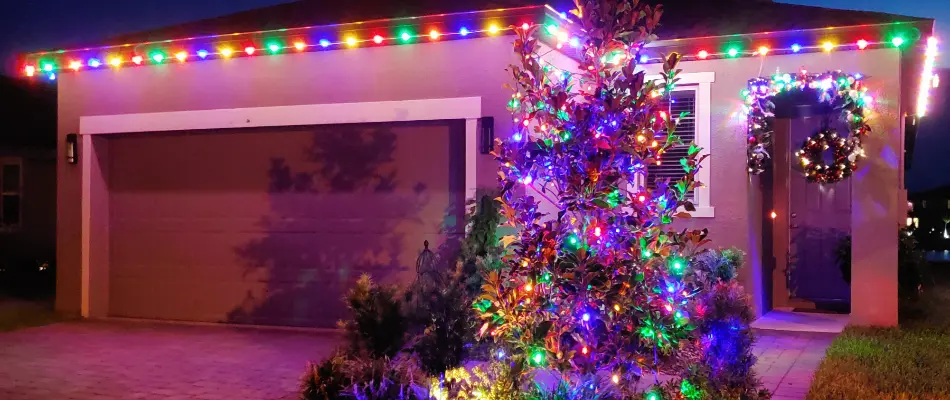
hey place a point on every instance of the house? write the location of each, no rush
(27, 184)
(251, 177)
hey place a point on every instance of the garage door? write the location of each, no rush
(272, 226)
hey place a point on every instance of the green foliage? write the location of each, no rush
(722, 316)
(877, 363)
(378, 326)
(495, 380)
(448, 327)
(385, 379)
(717, 266)
(326, 380)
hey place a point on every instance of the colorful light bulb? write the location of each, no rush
(227, 52)
(137, 59)
(115, 61)
(405, 36)
(351, 41)
(75, 65)
(464, 31)
(585, 317)
(828, 46)
(203, 53)
(525, 26)
(763, 50)
(158, 57)
(52, 76)
(897, 41)
(48, 67)
(94, 63)
(733, 52)
(862, 44)
(574, 42)
(551, 29)
(433, 34)
(493, 29)
(181, 56)
(796, 48)
(249, 50)
(702, 54)
(324, 43)
(30, 70)
(273, 47)
(377, 39)
(301, 45)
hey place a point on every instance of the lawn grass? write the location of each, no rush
(910, 362)
(18, 314)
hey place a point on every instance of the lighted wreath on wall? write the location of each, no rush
(845, 92)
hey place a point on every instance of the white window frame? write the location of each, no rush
(4, 161)
(701, 83)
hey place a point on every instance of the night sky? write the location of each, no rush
(37, 25)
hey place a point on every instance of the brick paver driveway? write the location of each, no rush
(131, 360)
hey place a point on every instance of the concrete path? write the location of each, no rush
(788, 360)
(134, 360)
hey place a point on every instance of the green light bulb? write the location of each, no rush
(897, 41)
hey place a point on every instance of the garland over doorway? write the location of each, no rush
(844, 92)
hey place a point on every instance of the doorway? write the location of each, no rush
(811, 221)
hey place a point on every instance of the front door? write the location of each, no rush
(819, 218)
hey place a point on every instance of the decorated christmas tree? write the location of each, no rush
(600, 286)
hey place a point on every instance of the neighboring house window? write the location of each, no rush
(11, 193)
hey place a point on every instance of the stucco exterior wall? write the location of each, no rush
(476, 67)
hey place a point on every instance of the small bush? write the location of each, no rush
(326, 380)
(378, 326)
(723, 316)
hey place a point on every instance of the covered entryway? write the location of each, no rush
(269, 224)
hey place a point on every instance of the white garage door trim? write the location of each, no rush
(467, 108)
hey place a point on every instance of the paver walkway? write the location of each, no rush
(132, 360)
(788, 360)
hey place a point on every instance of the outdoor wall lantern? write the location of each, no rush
(72, 148)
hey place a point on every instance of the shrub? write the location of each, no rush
(326, 380)
(722, 316)
(441, 345)
(378, 326)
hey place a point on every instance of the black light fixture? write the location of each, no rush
(72, 148)
(488, 135)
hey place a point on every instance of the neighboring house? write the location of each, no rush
(251, 177)
(27, 176)
(930, 218)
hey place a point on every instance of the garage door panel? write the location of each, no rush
(272, 227)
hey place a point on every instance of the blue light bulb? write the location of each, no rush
(586, 317)
(463, 31)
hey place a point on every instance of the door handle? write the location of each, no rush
(794, 215)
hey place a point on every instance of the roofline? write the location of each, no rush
(351, 25)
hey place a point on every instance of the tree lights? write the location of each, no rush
(585, 289)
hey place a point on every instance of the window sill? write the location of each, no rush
(703, 212)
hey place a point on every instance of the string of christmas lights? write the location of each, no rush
(290, 40)
(845, 92)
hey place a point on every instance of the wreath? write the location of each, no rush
(844, 154)
(845, 92)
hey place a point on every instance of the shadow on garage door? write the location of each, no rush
(272, 226)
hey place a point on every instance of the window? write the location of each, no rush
(680, 101)
(692, 95)
(11, 192)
